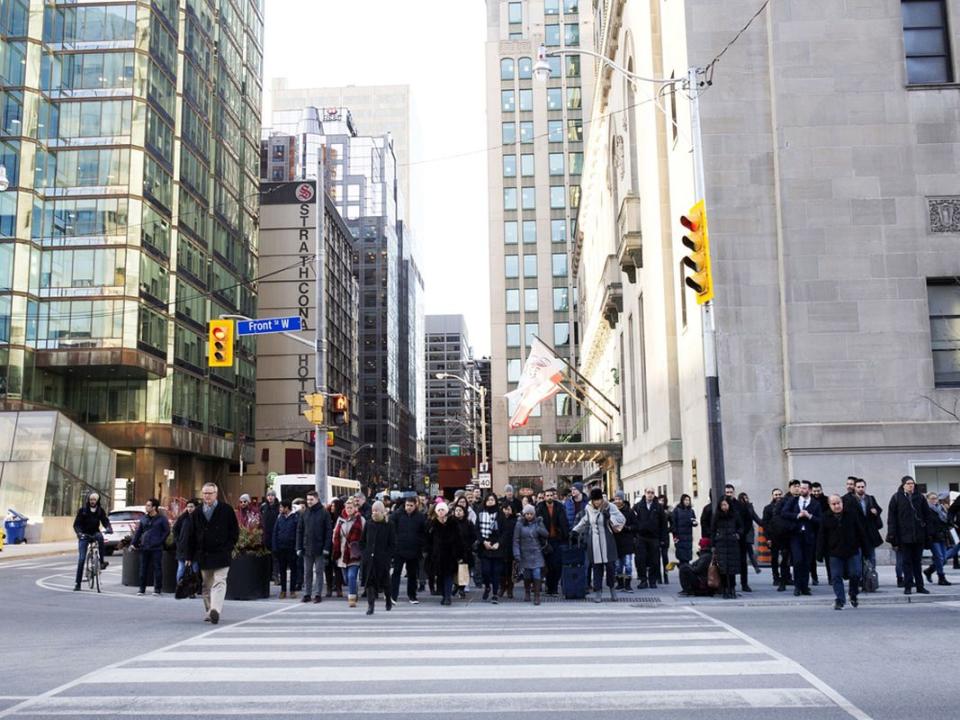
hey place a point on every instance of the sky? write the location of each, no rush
(437, 48)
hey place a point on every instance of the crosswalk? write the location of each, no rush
(511, 660)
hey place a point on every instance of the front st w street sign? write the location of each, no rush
(265, 326)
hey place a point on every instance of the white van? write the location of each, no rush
(289, 487)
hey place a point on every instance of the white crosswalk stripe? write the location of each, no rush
(307, 661)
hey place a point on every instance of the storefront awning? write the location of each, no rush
(582, 452)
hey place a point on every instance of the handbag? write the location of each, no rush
(713, 576)
(545, 547)
(189, 584)
(463, 574)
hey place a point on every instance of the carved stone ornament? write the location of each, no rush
(944, 213)
(618, 155)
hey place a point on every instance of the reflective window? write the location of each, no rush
(512, 300)
(571, 6)
(104, 267)
(551, 7)
(529, 198)
(576, 163)
(529, 266)
(551, 35)
(572, 64)
(558, 197)
(530, 302)
(574, 98)
(508, 102)
(508, 133)
(558, 231)
(530, 231)
(509, 198)
(526, 101)
(514, 368)
(561, 334)
(526, 131)
(556, 163)
(527, 165)
(555, 131)
(531, 331)
(574, 196)
(506, 69)
(575, 130)
(510, 232)
(561, 299)
(525, 68)
(558, 262)
(511, 266)
(524, 448)
(509, 165)
(515, 12)
(90, 168)
(563, 404)
(943, 300)
(926, 42)
(513, 335)
(554, 98)
(571, 34)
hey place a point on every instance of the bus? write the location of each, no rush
(288, 487)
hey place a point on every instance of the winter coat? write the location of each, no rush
(410, 532)
(446, 547)
(908, 519)
(488, 529)
(939, 528)
(346, 540)
(727, 533)
(598, 527)
(285, 533)
(748, 516)
(872, 524)
(183, 536)
(841, 536)
(682, 527)
(774, 528)
(626, 539)
(652, 522)
(559, 527)
(508, 526)
(314, 531)
(573, 509)
(269, 512)
(527, 538)
(214, 539)
(706, 521)
(468, 539)
(378, 543)
(152, 532)
(88, 521)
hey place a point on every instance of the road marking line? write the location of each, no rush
(453, 702)
(798, 669)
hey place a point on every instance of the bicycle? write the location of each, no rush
(92, 562)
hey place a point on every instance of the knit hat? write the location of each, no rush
(529, 510)
(245, 497)
(596, 494)
(271, 493)
(618, 495)
(442, 506)
(378, 507)
(578, 486)
(508, 488)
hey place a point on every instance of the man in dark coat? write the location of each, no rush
(284, 544)
(779, 559)
(651, 534)
(410, 532)
(746, 514)
(626, 541)
(87, 527)
(216, 532)
(269, 510)
(801, 514)
(840, 542)
(908, 524)
(314, 540)
(555, 521)
(150, 537)
(869, 512)
(377, 543)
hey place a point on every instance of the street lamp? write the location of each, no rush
(482, 391)
(542, 72)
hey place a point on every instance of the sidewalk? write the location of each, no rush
(25, 551)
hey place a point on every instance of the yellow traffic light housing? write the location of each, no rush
(220, 343)
(697, 240)
(315, 408)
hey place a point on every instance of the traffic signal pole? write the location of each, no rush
(320, 267)
(709, 328)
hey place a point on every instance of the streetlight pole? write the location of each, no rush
(482, 392)
(320, 270)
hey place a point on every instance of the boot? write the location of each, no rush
(929, 573)
(526, 590)
(486, 593)
(619, 582)
(351, 600)
(510, 590)
(537, 584)
(597, 596)
(956, 562)
(626, 585)
(613, 595)
(389, 602)
(943, 580)
(370, 607)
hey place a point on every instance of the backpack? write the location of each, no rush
(870, 581)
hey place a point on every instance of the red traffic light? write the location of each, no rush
(219, 333)
(689, 223)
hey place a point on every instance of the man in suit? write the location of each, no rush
(801, 514)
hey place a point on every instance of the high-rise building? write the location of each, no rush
(483, 421)
(378, 109)
(131, 141)
(361, 176)
(537, 131)
(451, 407)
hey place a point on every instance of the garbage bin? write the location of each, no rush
(16, 530)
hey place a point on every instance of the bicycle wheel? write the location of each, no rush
(93, 567)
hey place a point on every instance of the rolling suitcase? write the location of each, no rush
(573, 577)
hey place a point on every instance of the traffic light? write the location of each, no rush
(314, 412)
(220, 343)
(331, 439)
(426, 479)
(340, 409)
(698, 260)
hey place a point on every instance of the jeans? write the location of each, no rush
(351, 571)
(182, 568)
(150, 560)
(491, 567)
(939, 552)
(531, 574)
(554, 566)
(624, 566)
(413, 566)
(312, 566)
(912, 564)
(82, 551)
(851, 566)
(598, 572)
(286, 560)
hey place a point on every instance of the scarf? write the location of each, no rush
(487, 522)
(598, 534)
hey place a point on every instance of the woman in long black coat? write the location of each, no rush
(682, 522)
(377, 543)
(446, 549)
(468, 540)
(727, 531)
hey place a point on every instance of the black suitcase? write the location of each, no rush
(574, 572)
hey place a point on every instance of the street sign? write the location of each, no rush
(454, 451)
(265, 326)
(484, 482)
(271, 476)
(484, 467)
(168, 473)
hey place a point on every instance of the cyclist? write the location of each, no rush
(87, 527)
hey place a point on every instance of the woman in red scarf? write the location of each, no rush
(346, 547)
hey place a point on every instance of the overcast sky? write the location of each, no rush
(436, 47)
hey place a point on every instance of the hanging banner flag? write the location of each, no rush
(539, 381)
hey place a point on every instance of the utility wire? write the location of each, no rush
(710, 65)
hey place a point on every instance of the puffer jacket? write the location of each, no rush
(727, 531)
(527, 537)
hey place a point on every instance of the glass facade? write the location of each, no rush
(124, 179)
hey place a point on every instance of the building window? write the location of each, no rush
(508, 101)
(564, 405)
(551, 7)
(572, 63)
(554, 99)
(514, 368)
(529, 266)
(943, 298)
(576, 163)
(525, 68)
(515, 36)
(509, 198)
(575, 130)
(513, 300)
(506, 69)
(559, 264)
(561, 299)
(556, 163)
(555, 131)
(509, 165)
(558, 197)
(571, 34)
(529, 199)
(551, 35)
(511, 266)
(561, 334)
(574, 196)
(510, 232)
(526, 132)
(531, 330)
(524, 448)
(530, 231)
(515, 12)
(508, 134)
(925, 41)
(513, 335)
(526, 101)
(558, 231)
(571, 6)
(575, 98)
(530, 302)
(526, 165)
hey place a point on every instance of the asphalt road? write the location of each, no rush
(116, 655)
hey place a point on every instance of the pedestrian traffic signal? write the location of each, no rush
(340, 409)
(220, 343)
(315, 410)
(698, 260)
(331, 439)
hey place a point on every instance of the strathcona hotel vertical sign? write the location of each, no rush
(285, 369)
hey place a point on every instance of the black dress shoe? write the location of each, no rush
(746, 588)
(854, 601)
(907, 591)
(781, 587)
(806, 592)
(899, 582)
(944, 581)
(815, 581)
(837, 605)
(796, 592)
(922, 591)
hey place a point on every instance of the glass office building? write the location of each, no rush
(130, 135)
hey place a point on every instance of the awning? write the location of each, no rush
(581, 452)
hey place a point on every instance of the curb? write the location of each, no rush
(32, 556)
(824, 601)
